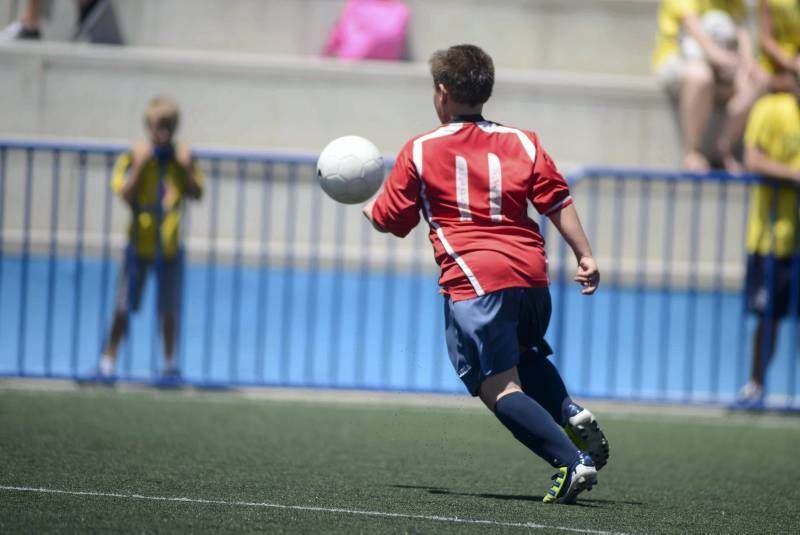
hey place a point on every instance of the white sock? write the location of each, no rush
(107, 365)
(169, 365)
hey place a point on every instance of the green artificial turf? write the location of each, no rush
(667, 473)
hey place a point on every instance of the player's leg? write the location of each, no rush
(763, 348)
(169, 308)
(130, 285)
(767, 288)
(745, 91)
(696, 103)
(528, 421)
(541, 380)
(531, 424)
(483, 347)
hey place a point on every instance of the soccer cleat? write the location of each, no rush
(583, 431)
(568, 482)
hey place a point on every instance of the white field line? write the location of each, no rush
(336, 510)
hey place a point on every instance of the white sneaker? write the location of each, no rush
(584, 432)
(10, 32)
(750, 394)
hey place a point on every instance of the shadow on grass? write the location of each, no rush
(583, 501)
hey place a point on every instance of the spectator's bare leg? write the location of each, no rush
(119, 326)
(746, 91)
(758, 364)
(168, 325)
(31, 14)
(696, 105)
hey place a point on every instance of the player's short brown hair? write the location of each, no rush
(164, 110)
(466, 71)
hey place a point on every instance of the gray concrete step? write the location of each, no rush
(302, 103)
(612, 36)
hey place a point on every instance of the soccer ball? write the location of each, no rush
(350, 169)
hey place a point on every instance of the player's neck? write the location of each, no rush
(463, 113)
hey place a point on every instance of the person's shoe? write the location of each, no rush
(750, 396)
(17, 30)
(568, 482)
(170, 378)
(583, 431)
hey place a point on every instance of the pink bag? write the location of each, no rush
(370, 29)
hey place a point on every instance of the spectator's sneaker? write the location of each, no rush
(750, 396)
(170, 378)
(100, 377)
(568, 482)
(587, 436)
(16, 30)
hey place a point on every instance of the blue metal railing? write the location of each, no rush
(285, 287)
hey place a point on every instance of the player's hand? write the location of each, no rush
(587, 275)
(183, 155)
(141, 152)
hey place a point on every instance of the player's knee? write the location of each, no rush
(496, 387)
(698, 74)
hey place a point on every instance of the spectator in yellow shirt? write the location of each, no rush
(772, 149)
(704, 53)
(779, 28)
(153, 178)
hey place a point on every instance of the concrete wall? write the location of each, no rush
(613, 36)
(261, 102)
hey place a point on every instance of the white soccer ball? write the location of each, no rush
(350, 169)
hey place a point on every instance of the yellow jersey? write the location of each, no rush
(670, 22)
(774, 128)
(142, 230)
(785, 16)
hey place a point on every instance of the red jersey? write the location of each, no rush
(472, 181)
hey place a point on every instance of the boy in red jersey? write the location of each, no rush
(472, 180)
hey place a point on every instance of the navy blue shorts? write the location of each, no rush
(132, 276)
(486, 334)
(760, 299)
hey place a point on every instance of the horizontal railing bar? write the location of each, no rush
(639, 173)
(202, 153)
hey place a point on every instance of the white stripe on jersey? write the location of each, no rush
(417, 155)
(446, 244)
(527, 144)
(495, 189)
(462, 189)
(553, 209)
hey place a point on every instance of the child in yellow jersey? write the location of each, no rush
(153, 178)
(779, 28)
(772, 149)
(718, 66)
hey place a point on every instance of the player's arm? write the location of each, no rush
(140, 154)
(367, 211)
(396, 208)
(185, 160)
(745, 50)
(568, 223)
(550, 196)
(767, 38)
(757, 161)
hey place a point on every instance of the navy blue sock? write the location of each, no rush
(539, 378)
(533, 426)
